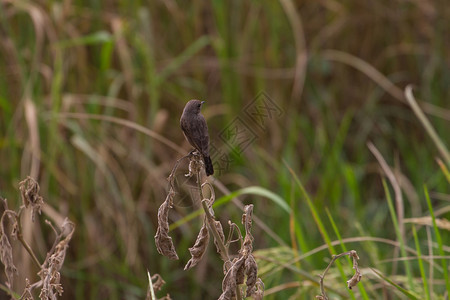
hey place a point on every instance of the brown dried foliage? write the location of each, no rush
(236, 270)
(29, 190)
(251, 270)
(245, 264)
(357, 276)
(49, 272)
(258, 291)
(352, 282)
(195, 163)
(155, 285)
(157, 282)
(6, 256)
(163, 241)
(231, 280)
(219, 229)
(199, 248)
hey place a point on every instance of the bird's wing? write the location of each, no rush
(204, 136)
(196, 132)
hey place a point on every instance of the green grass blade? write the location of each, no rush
(312, 208)
(422, 270)
(399, 236)
(98, 37)
(426, 123)
(438, 240)
(407, 293)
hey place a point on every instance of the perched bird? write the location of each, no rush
(195, 130)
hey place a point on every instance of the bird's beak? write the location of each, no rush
(203, 102)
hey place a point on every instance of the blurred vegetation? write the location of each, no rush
(90, 98)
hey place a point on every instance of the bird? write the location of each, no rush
(195, 131)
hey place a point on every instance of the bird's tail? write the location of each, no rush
(208, 165)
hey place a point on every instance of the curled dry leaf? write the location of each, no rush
(6, 257)
(357, 276)
(251, 270)
(354, 280)
(247, 218)
(157, 282)
(29, 190)
(219, 229)
(240, 274)
(163, 241)
(195, 164)
(350, 283)
(15, 229)
(247, 246)
(199, 248)
(212, 197)
(229, 283)
(258, 294)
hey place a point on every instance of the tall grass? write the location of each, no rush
(90, 97)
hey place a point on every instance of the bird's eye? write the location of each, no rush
(198, 105)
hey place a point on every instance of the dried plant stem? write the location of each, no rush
(20, 235)
(175, 167)
(24, 243)
(351, 283)
(212, 228)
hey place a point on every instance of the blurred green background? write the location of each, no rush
(91, 93)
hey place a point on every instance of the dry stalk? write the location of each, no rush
(352, 282)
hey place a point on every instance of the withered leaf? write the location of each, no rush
(230, 282)
(7, 258)
(251, 270)
(199, 248)
(219, 229)
(29, 190)
(163, 241)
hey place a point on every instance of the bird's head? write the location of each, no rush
(193, 106)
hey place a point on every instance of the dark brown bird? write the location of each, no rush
(195, 130)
